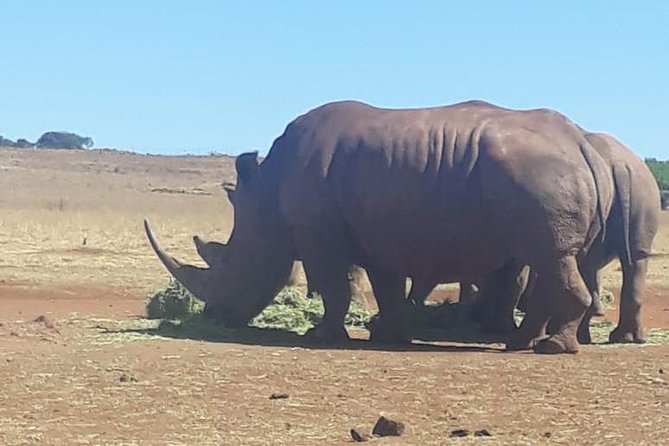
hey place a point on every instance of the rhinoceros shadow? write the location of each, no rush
(429, 330)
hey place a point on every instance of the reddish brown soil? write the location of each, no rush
(25, 300)
(59, 387)
(655, 310)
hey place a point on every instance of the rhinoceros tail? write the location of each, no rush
(604, 194)
(622, 183)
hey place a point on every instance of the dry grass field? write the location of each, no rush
(79, 366)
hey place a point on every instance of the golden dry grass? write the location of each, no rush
(51, 201)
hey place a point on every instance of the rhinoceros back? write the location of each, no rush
(405, 186)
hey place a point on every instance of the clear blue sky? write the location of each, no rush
(199, 76)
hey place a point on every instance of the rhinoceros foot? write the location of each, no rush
(502, 326)
(556, 344)
(324, 334)
(519, 340)
(385, 332)
(516, 345)
(620, 336)
(583, 334)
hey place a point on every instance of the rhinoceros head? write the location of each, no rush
(245, 274)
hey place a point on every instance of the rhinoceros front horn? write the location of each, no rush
(193, 278)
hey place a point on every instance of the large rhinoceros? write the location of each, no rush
(630, 230)
(445, 193)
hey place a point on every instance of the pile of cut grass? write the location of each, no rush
(290, 310)
(174, 302)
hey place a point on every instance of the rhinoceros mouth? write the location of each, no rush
(232, 296)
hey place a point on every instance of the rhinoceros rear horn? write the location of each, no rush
(211, 252)
(193, 278)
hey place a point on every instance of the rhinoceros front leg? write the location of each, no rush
(327, 269)
(392, 323)
(333, 286)
(629, 327)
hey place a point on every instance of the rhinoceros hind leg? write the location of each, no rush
(533, 327)
(629, 327)
(558, 343)
(568, 299)
(618, 336)
(583, 333)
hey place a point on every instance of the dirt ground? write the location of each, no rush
(80, 366)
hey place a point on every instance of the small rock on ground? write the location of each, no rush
(385, 427)
(358, 436)
(459, 433)
(124, 378)
(48, 323)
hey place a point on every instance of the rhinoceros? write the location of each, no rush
(443, 193)
(630, 229)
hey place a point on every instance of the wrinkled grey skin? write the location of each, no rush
(441, 194)
(630, 229)
(213, 253)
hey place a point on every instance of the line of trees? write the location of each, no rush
(661, 171)
(51, 140)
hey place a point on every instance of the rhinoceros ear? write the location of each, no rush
(229, 189)
(247, 167)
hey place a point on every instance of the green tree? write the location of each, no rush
(661, 171)
(64, 140)
(22, 143)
